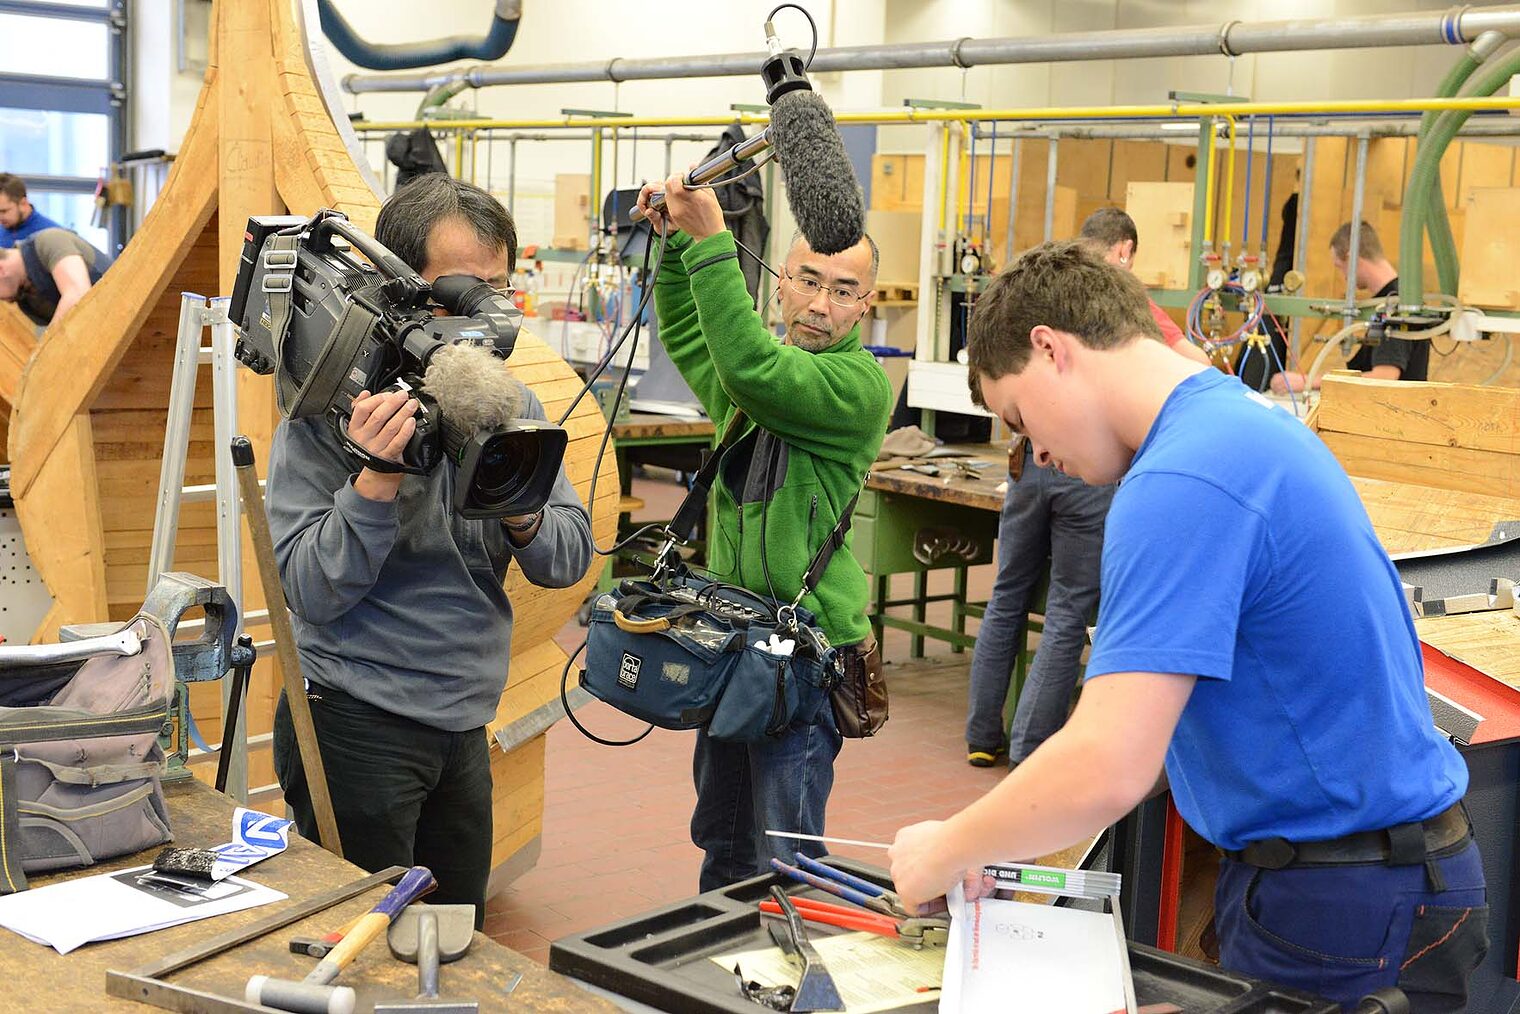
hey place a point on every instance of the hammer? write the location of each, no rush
(315, 994)
(423, 946)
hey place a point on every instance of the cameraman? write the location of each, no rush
(817, 407)
(400, 615)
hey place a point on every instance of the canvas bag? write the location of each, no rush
(79, 754)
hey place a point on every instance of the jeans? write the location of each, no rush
(1046, 516)
(781, 783)
(1345, 931)
(403, 793)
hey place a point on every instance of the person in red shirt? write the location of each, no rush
(1112, 232)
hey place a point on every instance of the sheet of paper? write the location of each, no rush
(1012, 955)
(123, 904)
(871, 972)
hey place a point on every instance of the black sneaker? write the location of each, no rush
(983, 757)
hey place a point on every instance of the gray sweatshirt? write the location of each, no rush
(400, 604)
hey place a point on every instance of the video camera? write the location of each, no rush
(330, 326)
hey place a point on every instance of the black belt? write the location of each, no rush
(1400, 845)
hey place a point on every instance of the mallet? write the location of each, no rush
(315, 994)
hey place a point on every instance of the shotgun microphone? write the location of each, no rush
(821, 188)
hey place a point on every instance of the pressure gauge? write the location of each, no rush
(971, 262)
(1216, 278)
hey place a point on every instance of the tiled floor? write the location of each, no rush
(615, 839)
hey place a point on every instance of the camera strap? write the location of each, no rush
(684, 521)
(312, 395)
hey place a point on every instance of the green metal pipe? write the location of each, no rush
(1427, 175)
(1437, 222)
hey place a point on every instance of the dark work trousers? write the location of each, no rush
(404, 794)
(780, 783)
(1046, 517)
(1345, 931)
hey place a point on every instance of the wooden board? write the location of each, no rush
(1163, 214)
(572, 210)
(897, 182)
(1490, 246)
(899, 238)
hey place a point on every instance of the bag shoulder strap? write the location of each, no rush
(684, 524)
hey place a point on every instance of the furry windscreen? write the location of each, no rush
(473, 387)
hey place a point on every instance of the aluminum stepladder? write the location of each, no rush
(196, 314)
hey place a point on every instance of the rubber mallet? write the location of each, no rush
(315, 994)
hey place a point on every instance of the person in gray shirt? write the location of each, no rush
(402, 622)
(49, 272)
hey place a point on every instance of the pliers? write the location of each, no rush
(915, 932)
(843, 885)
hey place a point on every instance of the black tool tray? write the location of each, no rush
(660, 958)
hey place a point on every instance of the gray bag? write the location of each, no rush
(79, 753)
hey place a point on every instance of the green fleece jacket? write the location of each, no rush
(816, 421)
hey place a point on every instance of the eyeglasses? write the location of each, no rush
(810, 287)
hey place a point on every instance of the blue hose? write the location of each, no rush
(1245, 227)
(411, 55)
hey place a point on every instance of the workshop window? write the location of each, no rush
(62, 95)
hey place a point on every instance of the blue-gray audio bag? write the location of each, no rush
(681, 654)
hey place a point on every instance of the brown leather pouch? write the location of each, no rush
(860, 698)
(1016, 457)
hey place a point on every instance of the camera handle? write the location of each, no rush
(368, 460)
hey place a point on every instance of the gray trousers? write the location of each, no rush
(1047, 516)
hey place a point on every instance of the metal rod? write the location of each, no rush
(991, 177)
(1051, 161)
(1170, 111)
(229, 539)
(1232, 38)
(1359, 191)
(512, 173)
(1013, 196)
(1301, 242)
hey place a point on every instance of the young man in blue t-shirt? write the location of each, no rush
(1309, 757)
(18, 219)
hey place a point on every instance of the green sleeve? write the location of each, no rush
(828, 404)
(681, 331)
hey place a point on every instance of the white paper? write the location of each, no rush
(122, 904)
(1018, 956)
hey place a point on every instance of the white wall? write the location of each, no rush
(562, 31)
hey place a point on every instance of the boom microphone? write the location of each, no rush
(820, 180)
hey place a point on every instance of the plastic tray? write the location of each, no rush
(660, 958)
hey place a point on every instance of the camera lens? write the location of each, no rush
(505, 467)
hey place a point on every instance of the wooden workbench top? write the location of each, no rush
(950, 486)
(39, 978)
(644, 425)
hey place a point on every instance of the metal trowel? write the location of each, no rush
(816, 991)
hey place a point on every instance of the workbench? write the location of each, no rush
(897, 507)
(39, 978)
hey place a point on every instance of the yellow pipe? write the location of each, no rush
(944, 177)
(1208, 190)
(1179, 110)
(1229, 194)
(459, 153)
(963, 184)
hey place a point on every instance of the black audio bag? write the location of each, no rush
(679, 650)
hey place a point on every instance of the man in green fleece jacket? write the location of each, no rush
(816, 406)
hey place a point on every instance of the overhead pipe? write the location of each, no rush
(405, 56)
(1231, 38)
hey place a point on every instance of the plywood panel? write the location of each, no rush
(1490, 247)
(897, 182)
(1163, 214)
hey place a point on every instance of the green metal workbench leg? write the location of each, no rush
(958, 609)
(920, 610)
(883, 589)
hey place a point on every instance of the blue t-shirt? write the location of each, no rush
(1238, 551)
(34, 224)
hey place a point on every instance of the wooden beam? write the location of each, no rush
(64, 502)
(1444, 415)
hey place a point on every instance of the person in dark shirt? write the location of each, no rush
(1392, 358)
(18, 219)
(48, 273)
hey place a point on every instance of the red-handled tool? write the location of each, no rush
(836, 915)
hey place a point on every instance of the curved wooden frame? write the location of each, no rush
(89, 406)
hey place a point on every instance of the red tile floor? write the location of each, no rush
(615, 839)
